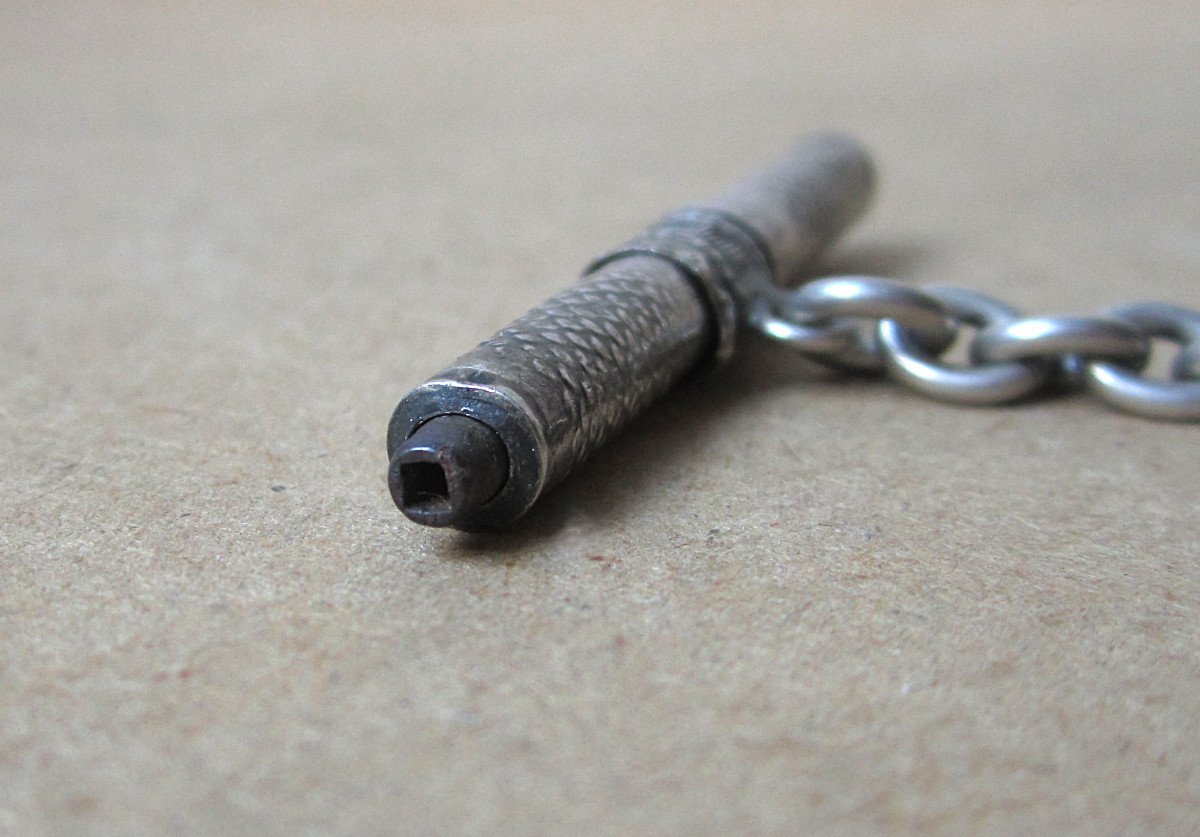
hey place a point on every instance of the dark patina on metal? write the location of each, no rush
(476, 445)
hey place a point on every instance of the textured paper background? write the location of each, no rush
(231, 237)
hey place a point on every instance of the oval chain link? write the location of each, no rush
(870, 324)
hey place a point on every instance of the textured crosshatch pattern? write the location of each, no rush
(232, 236)
(596, 354)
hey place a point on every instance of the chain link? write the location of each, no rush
(873, 325)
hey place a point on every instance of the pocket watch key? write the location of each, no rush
(476, 445)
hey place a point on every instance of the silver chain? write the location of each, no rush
(872, 325)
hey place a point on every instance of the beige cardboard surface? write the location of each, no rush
(231, 237)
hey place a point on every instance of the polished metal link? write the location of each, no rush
(833, 319)
(984, 382)
(1056, 337)
(869, 324)
(1186, 366)
(1177, 399)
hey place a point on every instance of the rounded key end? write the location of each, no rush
(447, 470)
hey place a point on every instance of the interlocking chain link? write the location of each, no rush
(873, 325)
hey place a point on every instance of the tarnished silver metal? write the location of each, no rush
(477, 444)
(559, 381)
(718, 254)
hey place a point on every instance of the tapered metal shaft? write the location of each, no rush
(559, 381)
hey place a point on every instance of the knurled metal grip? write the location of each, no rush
(714, 251)
(562, 378)
(559, 381)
